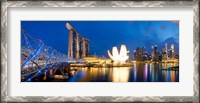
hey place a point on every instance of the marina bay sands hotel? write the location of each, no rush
(78, 46)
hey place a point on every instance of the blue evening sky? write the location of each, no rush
(103, 35)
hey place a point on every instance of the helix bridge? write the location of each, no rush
(38, 58)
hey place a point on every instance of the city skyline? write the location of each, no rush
(145, 34)
(135, 51)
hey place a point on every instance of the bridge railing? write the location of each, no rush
(35, 55)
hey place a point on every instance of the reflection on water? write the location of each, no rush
(140, 72)
(120, 74)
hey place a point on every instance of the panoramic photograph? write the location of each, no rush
(100, 51)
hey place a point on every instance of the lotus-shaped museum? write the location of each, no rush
(119, 57)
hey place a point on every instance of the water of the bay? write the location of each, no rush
(140, 72)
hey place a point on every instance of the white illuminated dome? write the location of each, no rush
(119, 57)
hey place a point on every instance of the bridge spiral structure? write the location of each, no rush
(36, 57)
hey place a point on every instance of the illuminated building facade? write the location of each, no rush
(119, 57)
(171, 52)
(96, 60)
(140, 54)
(165, 52)
(78, 47)
(155, 54)
(168, 54)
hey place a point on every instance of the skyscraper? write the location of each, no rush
(152, 52)
(140, 54)
(165, 52)
(172, 51)
(155, 54)
(166, 47)
(78, 47)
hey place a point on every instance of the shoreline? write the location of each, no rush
(114, 65)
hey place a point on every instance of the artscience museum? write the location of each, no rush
(119, 57)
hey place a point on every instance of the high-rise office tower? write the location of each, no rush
(172, 51)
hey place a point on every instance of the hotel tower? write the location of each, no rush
(78, 46)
